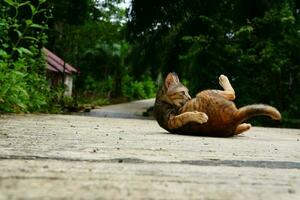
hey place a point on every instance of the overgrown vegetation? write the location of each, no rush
(23, 85)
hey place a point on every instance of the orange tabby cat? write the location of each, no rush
(211, 112)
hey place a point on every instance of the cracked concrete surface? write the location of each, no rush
(81, 157)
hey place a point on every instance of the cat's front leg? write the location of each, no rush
(176, 121)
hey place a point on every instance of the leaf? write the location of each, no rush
(5, 45)
(23, 4)
(245, 29)
(18, 75)
(42, 1)
(28, 22)
(19, 33)
(33, 10)
(3, 53)
(10, 2)
(22, 50)
(21, 105)
(22, 91)
(290, 19)
(41, 10)
(30, 38)
(38, 26)
(4, 89)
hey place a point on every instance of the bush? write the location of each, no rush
(24, 87)
(133, 89)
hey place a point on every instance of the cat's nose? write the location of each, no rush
(182, 104)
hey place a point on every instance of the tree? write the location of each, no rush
(96, 45)
(256, 43)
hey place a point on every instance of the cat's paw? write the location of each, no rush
(200, 117)
(223, 80)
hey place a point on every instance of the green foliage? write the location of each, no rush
(24, 87)
(133, 89)
(96, 46)
(255, 43)
(103, 87)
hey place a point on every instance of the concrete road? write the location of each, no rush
(131, 110)
(81, 157)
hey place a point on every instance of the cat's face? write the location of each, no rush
(174, 92)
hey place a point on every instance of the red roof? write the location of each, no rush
(56, 64)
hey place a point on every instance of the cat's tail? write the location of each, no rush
(247, 112)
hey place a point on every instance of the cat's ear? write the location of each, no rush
(171, 79)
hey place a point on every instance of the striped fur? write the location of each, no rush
(211, 112)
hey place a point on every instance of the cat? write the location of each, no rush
(210, 113)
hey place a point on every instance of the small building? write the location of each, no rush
(60, 72)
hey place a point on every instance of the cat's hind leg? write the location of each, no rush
(179, 120)
(228, 92)
(242, 128)
(225, 84)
